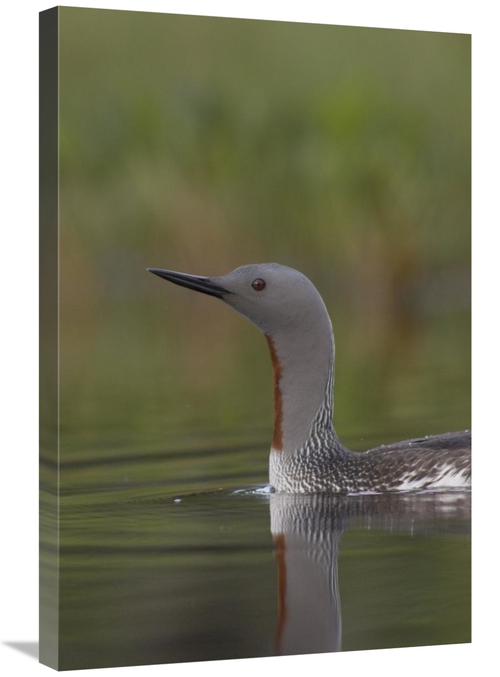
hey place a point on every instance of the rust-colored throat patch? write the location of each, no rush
(278, 399)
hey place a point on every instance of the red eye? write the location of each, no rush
(258, 284)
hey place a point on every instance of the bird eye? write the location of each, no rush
(258, 284)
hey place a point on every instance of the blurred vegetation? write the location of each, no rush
(200, 144)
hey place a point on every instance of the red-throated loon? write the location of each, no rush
(306, 454)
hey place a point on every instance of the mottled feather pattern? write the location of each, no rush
(323, 464)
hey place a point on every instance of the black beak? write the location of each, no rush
(203, 284)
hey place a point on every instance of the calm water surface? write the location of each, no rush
(170, 556)
(171, 549)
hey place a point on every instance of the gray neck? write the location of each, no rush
(303, 362)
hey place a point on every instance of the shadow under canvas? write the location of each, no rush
(28, 648)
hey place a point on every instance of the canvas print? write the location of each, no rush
(242, 223)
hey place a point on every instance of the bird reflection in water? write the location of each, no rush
(307, 530)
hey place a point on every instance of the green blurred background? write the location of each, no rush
(200, 144)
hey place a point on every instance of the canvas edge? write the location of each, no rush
(48, 337)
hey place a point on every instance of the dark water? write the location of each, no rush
(161, 563)
(170, 547)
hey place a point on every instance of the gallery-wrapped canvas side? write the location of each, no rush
(49, 390)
